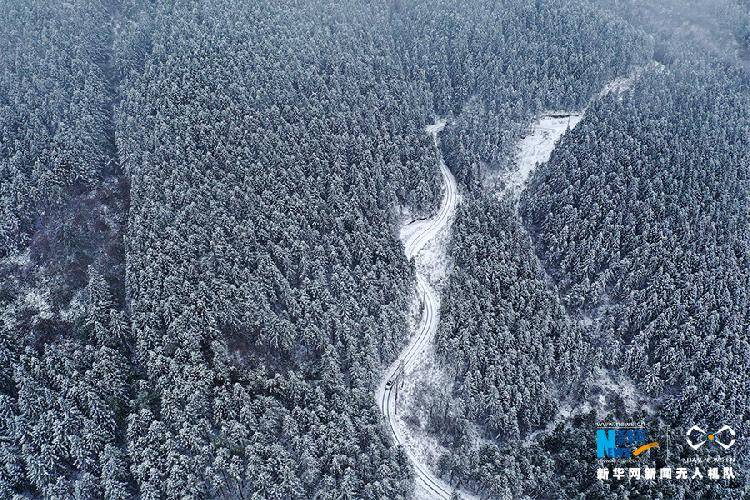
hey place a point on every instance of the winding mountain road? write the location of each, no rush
(415, 237)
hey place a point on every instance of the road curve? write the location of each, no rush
(415, 236)
(533, 149)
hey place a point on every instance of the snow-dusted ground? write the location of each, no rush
(424, 240)
(621, 386)
(436, 127)
(620, 85)
(533, 150)
(610, 387)
(537, 146)
(34, 300)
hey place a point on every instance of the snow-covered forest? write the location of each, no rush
(202, 280)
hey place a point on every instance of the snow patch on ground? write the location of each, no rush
(592, 318)
(610, 391)
(623, 84)
(434, 262)
(611, 386)
(35, 301)
(436, 127)
(620, 85)
(20, 259)
(537, 146)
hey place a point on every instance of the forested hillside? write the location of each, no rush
(64, 379)
(640, 222)
(268, 148)
(56, 127)
(642, 219)
(503, 331)
(265, 282)
(200, 271)
(495, 64)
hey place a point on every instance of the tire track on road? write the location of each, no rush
(415, 237)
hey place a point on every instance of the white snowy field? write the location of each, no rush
(537, 146)
(436, 127)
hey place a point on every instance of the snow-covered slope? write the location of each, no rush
(537, 146)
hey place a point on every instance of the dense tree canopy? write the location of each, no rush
(200, 275)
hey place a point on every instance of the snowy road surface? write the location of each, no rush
(533, 149)
(414, 237)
